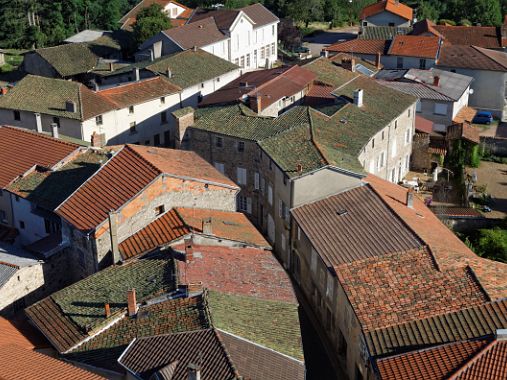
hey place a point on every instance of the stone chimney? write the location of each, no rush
(184, 119)
(377, 60)
(107, 310)
(410, 198)
(349, 64)
(194, 372)
(206, 226)
(436, 81)
(131, 302)
(358, 97)
(38, 122)
(113, 233)
(70, 106)
(98, 140)
(299, 168)
(54, 130)
(137, 76)
(189, 250)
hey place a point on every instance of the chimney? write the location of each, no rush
(349, 64)
(299, 168)
(54, 130)
(4, 90)
(136, 74)
(111, 66)
(70, 106)
(194, 372)
(107, 310)
(436, 80)
(358, 97)
(131, 302)
(189, 250)
(98, 140)
(169, 73)
(377, 60)
(324, 53)
(410, 198)
(194, 48)
(184, 119)
(38, 122)
(206, 227)
(113, 233)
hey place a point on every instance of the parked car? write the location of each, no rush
(483, 117)
(301, 49)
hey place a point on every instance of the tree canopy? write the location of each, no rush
(149, 22)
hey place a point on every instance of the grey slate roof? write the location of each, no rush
(13, 258)
(418, 90)
(6, 272)
(382, 32)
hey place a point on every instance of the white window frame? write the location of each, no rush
(241, 175)
(256, 181)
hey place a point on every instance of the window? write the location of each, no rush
(263, 185)
(156, 139)
(256, 181)
(422, 64)
(270, 195)
(329, 286)
(56, 120)
(313, 261)
(391, 24)
(98, 120)
(3, 216)
(219, 166)
(399, 62)
(299, 233)
(218, 79)
(273, 51)
(241, 146)
(21, 224)
(17, 198)
(51, 226)
(262, 53)
(383, 135)
(17, 115)
(241, 176)
(245, 204)
(242, 61)
(133, 127)
(163, 117)
(373, 143)
(408, 135)
(236, 61)
(272, 30)
(159, 210)
(395, 124)
(440, 109)
(248, 60)
(131, 110)
(365, 23)
(219, 142)
(418, 106)
(202, 85)
(167, 138)
(407, 161)
(381, 160)
(162, 100)
(147, 142)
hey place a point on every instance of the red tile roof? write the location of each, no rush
(415, 46)
(127, 173)
(199, 33)
(425, 26)
(488, 37)
(360, 46)
(392, 6)
(423, 125)
(20, 150)
(21, 333)
(179, 222)
(483, 359)
(406, 286)
(139, 92)
(472, 57)
(249, 272)
(19, 363)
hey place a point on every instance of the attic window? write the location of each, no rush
(342, 212)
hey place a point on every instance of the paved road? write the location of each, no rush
(318, 41)
(494, 176)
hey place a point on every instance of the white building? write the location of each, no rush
(387, 13)
(247, 36)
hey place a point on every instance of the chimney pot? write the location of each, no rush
(299, 168)
(54, 130)
(136, 74)
(436, 81)
(169, 73)
(358, 97)
(38, 122)
(189, 250)
(107, 310)
(377, 60)
(206, 227)
(410, 198)
(131, 302)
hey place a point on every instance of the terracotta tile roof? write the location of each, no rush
(177, 223)
(139, 92)
(382, 32)
(423, 125)
(129, 19)
(489, 363)
(48, 96)
(456, 212)
(257, 362)
(488, 37)
(464, 324)
(199, 33)
(407, 286)
(166, 317)
(472, 57)
(425, 27)
(21, 333)
(392, 6)
(415, 46)
(449, 251)
(89, 206)
(21, 150)
(336, 227)
(147, 356)
(288, 83)
(68, 316)
(19, 363)
(360, 46)
(465, 114)
(243, 271)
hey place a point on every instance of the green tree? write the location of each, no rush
(486, 12)
(492, 243)
(13, 24)
(150, 21)
(306, 10)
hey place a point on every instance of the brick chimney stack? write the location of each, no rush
(436, 81)
(107, 310)
(131, 302)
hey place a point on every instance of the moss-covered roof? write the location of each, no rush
(329, 73)
(70, 59)
(272, 324)
(83, 302)
(183, 111)
(49, 189)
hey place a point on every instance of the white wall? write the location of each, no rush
(172, 10)
(34, 224)
(391, 62)
(220, 49)
(384, 19)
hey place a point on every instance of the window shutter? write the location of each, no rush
(249, 205)
(256, 181)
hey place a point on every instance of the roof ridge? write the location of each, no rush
(474, 359)
(227, 354)
(80, 100)
(130, 148)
